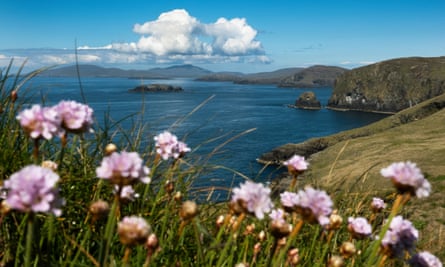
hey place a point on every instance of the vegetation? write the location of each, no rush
(76, 197)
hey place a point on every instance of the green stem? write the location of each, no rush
(111, 223)
(198, 240)
(29, 240)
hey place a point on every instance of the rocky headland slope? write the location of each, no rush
(389, 86)
(312, 77)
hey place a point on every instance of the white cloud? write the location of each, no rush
(177, 33)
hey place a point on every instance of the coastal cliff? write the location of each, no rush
(389, 86)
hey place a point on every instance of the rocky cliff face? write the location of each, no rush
(389, 86)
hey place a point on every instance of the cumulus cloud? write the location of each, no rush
(176, 33)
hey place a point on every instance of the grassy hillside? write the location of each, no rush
(349, 163)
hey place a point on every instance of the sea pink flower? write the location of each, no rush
(40, 122)
(133, 230)
(359, 227)
(377, 204)
(425, 259)
(296, 164)
(127, 193)
(168, 146)
(400, 236)
(76, 117)
(277, 216)
(406, 177)
(314, 205)
(288, 200)
(123, 168)
(33, 189)
(254, 198)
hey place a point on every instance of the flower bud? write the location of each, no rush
(49, 165)
(189, 210)
(257, 248)
(99, 210)
(4, 207)
(110, 149)
(262, 236)
(220, 221)
(335, 261)
(335, 221)
(152, 242)
(347, 250)
(178, 196)
(293, 257)
(169, 187)
(249, 229)
(280, 229)
(133, 230)
(14, 96)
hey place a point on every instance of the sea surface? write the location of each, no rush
(229, 110)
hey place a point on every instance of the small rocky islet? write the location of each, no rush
(156, 88)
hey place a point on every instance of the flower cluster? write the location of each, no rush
(76, 117)
(424, 259)
(33, 189)
(313, 205)
(123, 168)
(253, 198)
(133, 230)
(168, 146)
(377, 204)
(47, 122)
(400, 236)
(406, 177)
(296, 164)
(359, 227)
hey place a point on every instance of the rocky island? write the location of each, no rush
(156, 88)
(307, 100)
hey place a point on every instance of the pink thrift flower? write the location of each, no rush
(277, 216)
(296, 164)
(406, 177)
(133, 230)
(254, 198)
(424, 259)
(359, 227)
(400, 236)
(123, 168)
(168, 146)
(314, 205)
(377, 204)
(40, 122)
(33, 189)
(127, 193)
(288, 200)
(76, 117)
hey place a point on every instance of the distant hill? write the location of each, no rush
(315, 76)
(389, 86)
(273, 77)
(179, 71)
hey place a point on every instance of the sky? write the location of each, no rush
(246, 36)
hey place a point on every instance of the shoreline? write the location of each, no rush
(360, 110)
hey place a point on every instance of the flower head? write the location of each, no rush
(377, 204)
(288, 200)
(33, 189)
(359, 227)
(406, 177)
(133, 230)
(400, 236)
(253, 198)
(314, 205)
(123, 168)
(424, 259)
(76, 117)
(40, 122)
(296, 164)
(168, 146)
(127, 193)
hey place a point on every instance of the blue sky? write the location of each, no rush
(228, 35)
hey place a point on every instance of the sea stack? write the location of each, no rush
(308, 100)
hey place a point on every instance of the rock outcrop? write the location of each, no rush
(389, 86)
(308, 100)
(313, 77)
(157, 88)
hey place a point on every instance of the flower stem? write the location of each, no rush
(126, 257)
(29, 240)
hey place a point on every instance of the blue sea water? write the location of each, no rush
(231, 110)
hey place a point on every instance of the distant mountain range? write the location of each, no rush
(316, 76)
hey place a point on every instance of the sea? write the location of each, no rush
(240, 122)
